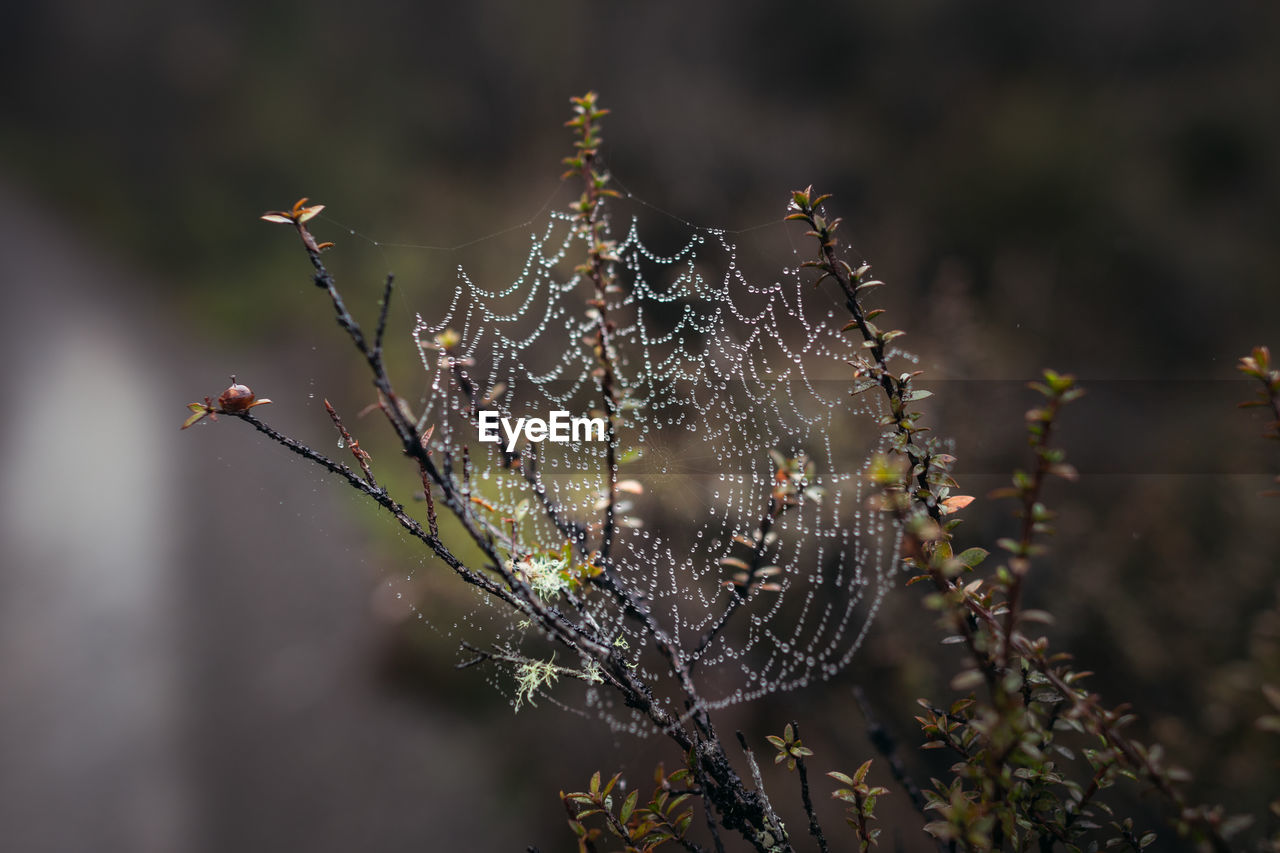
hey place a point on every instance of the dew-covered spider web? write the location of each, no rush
(733, 390)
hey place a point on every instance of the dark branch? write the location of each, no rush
(815, 828)
(383, 311)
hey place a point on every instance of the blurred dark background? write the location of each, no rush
(207, 646)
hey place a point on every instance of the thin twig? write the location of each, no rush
(572, 530)
(568, 632)
(431, 505)
(380, 496)
(362, 456)
(383, 311)
(707, 802)
(740, 595)
(815, 828)
(779, 834)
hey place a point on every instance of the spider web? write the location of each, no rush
(727, 387)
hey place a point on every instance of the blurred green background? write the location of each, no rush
(205, 646)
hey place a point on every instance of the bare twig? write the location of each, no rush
(779, 835)
(572, 530)
(380, 496)
(740, 595)
(431, 505)
(362, 456)
(706, 810)
(815, 828)
(384, 309)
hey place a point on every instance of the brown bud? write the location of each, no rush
(238, 398)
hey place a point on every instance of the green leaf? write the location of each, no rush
(628, 806)
(612, 782)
